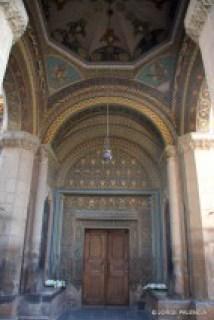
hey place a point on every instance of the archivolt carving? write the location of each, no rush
(165, 131)
(90, 133)
(21, 90)
(187, 89)
(123, 93)
(80, 125)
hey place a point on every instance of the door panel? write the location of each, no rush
(94, 267)
(117, 279)
(106, 267)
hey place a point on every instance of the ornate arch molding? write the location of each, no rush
(117, 121)
(25, 84)
(148, 164)
(91, 133)
(20, 91)
(190, 99)
(123, 93)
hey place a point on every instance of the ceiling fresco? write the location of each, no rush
(159, 74)
(60, 73)
(109, 30)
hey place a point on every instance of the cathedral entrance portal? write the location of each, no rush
(106, 267)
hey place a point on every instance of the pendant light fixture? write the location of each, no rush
(107, 153)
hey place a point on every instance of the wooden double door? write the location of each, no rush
(106, 268)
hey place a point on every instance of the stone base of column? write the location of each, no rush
(204, 310)
(165, 308)
(8, 307)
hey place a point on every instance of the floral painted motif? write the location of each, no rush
(159, 74)
(60, 73)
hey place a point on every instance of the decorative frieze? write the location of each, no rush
(19, 139)
(196, 16)
(195, 140)
(16, 16)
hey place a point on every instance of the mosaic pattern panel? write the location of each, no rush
(91, 172)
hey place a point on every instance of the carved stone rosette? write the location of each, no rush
(19, 139)
(196, 16)
(16, 16)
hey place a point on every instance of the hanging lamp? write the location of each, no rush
(107, 153)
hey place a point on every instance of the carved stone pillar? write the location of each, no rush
(16, 163)
(31, 281)
(40, 199)
(13, 21)
(199, 24)
(176, 221)
(197, 155)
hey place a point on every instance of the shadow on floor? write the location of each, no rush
(106, 313)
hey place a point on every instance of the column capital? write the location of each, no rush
(16, 16)
(195, 140)
(19, 139)
(196, 16)
(170, 151)
(47, 151)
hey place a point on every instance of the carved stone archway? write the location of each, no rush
(125, 94)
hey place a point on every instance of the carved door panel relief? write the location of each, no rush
(106, 267)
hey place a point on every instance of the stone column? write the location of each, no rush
(197, 155)
(16, 163)
(199, 24)
(176, 221)
(41, 195)
(33, 275)
(13, 21)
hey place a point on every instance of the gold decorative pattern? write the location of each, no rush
(146, 162)
(166, 133)
(91, 171)
(107, 202)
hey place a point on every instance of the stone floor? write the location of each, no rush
(106, 313)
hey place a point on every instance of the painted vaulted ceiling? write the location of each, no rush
(109, 30)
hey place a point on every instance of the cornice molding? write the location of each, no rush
(196, 16)
(16, 15)
(195, 141)
(19, 139)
